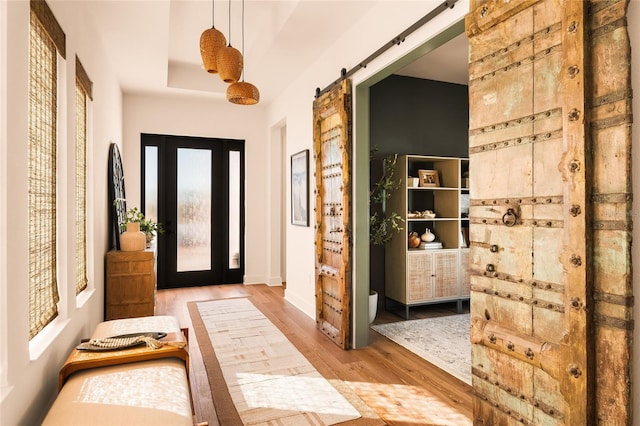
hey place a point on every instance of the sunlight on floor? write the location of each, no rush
(408, 404)
(313, 394)
(306, 393)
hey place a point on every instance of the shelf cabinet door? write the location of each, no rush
(445, 280)
(420, 277)
(432, 275)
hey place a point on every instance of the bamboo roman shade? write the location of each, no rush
(43, 58)
(82, 78)
(81, 185)
(50, 25)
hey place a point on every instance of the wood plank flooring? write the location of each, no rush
(400, 386)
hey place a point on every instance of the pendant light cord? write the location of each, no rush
(243, 39)
(213, 13)
(229, 23)
(447, 4)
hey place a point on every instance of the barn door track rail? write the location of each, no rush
(396, 41)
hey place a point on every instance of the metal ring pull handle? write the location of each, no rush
(510, 218)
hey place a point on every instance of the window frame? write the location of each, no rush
(83, 96)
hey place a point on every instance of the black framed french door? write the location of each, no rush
(195, 187)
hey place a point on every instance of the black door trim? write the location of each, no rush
(167, 146)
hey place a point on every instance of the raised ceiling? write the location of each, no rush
(154, 45)
(446, 63)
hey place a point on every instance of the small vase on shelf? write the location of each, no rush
(133, 239)
(413, 240)
(428, 236)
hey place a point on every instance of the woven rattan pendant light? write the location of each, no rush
(241, 92)
(229, 60)
(211, 41)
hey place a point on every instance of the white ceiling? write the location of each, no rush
(153, 45)
(446, 63)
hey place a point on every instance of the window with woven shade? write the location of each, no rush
(46, 42)
(83, 94)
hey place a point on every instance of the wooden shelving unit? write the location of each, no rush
(423, 276)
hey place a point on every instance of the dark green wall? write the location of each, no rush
(418, 117)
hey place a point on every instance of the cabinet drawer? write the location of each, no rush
(130, 310)
(131, 267)
(131, 289)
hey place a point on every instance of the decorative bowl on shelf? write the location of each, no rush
(427, 214)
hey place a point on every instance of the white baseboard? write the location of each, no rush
(275, 281)
(308, 308)
(254, 279)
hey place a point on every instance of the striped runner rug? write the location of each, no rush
(258, 377)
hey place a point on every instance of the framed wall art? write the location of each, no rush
(428, 178)
(300, 188)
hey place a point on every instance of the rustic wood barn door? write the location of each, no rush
(549, 146)
(332, 146)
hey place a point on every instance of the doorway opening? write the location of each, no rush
(428, 130)
(195, 187)
(428, 69)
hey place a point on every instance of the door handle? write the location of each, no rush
(510, 218)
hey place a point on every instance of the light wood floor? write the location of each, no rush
(400, 386)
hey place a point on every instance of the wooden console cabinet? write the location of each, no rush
(131, 284)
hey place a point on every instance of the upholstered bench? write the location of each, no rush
(132, 386)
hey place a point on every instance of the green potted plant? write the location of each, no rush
(383, 225)
(148, 226)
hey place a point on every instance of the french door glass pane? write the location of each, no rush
(151, 182)
(234, 210)
(194, 210)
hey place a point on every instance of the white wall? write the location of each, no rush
(277, 215)
(30, 371)
(216, 119)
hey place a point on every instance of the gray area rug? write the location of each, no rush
(443, 341)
